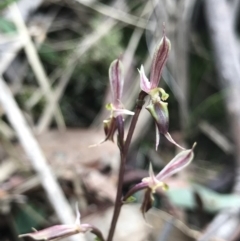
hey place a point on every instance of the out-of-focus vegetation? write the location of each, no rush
(58, 30)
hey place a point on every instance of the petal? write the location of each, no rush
(151, 173)
(144, 82)
(57, 231)
(159, 60)
(110, 127)
(116, 78)
(78, 216)
(117, 112)
(169, 137)
(177, 164)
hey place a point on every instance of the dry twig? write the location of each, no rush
(35, 62)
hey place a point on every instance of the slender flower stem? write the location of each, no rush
(124, 147)
(138, 108)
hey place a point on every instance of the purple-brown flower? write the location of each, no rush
(152, 182)
(59, 231)
(62, 231)
(116, 79)
(158, 108)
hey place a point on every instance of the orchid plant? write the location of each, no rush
(158, 108)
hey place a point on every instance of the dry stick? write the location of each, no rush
(35, 62)
(227, 63)
(217, 137)
(117, 14)
(8, 55)
(124, 151)
(31, 147)
(182, 33)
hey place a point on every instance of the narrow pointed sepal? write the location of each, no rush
(169, 137)
(179, 162)
(147, 201)
(116, 78)
(54, 232)
(159, 60)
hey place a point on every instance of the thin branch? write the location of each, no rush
(117, 14)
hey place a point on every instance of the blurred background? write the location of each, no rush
(54, 60)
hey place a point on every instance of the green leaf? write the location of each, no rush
(6, 26)
(212, 201)
(131, 199)
(33, 217)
